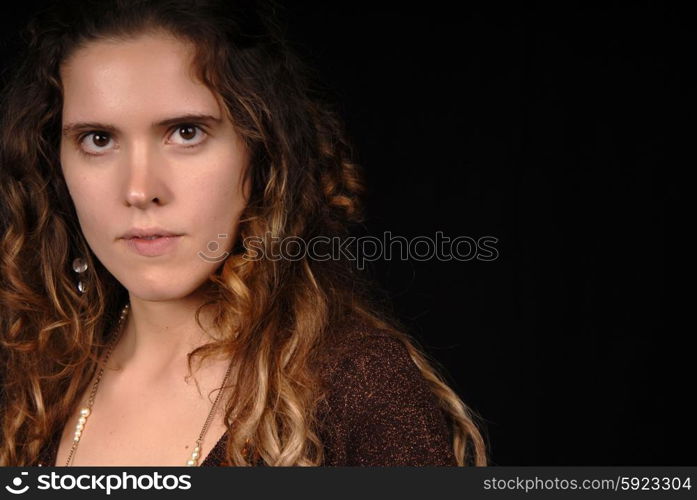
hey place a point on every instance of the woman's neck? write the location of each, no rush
(157, 336)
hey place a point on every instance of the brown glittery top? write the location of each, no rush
(379, 410)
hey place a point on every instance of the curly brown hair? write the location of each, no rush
(276, 312)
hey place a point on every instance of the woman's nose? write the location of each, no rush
(145, 183)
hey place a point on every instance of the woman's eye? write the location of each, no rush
(191, 135)
(94, 143)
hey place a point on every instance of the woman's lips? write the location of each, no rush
(152, 247)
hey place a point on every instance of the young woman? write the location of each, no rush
(144, 145)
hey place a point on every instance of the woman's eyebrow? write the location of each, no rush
(190, 117)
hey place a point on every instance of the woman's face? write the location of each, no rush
(146, 146)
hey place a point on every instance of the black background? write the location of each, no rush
(546, 126)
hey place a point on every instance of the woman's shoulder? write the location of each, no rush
(379, 409)
(357, 348)
(352, 335)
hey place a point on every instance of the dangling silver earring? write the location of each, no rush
(80, 266)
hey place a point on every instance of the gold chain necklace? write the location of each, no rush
(87, 410)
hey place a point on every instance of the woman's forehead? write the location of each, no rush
(150, 74)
